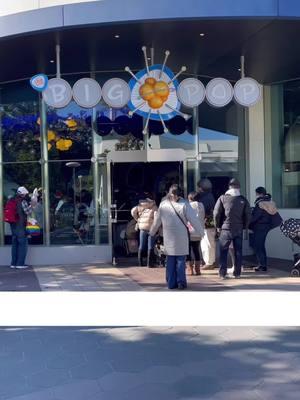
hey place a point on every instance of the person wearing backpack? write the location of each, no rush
(264, 218)
(231, 216)
(15, 213)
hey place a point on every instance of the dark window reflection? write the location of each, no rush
(71, 203)
(69, 133)
(21, 132)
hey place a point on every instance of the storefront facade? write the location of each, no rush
(92, 164)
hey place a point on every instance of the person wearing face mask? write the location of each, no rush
(16, 212)
(261, 223)
(174, 214)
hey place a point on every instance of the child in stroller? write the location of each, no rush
(291, 229)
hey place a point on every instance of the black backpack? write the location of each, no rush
(276, 220)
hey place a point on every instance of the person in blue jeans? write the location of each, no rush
(261, 221)
(143, 213)
(18, 229)
(173, 215)
(231, 215)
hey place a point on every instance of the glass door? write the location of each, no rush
(131, 182)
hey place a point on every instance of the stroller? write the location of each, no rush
(129, 237)
(159, 251)
(291, 229)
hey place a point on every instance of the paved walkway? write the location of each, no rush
(132, 278)
(217, 363)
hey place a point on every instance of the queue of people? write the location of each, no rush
(191, 228)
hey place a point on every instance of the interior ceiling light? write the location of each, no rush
(117, 36)
(202, 34)
(52, 61)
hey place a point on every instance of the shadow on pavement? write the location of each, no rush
(18, 280)
(207, 363)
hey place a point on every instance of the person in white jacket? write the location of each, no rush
(195, 239)
(173, 214)
(143, 213)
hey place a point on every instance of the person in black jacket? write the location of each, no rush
(231, 215)
(261, 221)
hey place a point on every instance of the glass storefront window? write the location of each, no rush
(75, 169)
(116, 131)
(69, 133)
(71, 203)
(283, 143)
(180, 136)
(291, 145)
(20, 132)
(222, 145)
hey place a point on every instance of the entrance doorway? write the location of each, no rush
(131, 182)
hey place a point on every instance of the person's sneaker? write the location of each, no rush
(22, 266)
(260, 269)
(181, 286)
(237, 276)
(223, 277)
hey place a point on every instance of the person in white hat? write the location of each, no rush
(15, 213)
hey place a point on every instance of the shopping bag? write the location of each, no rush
(32, 227)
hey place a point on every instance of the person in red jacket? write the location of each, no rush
(18, 228)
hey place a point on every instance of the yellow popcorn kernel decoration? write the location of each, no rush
(51, 135)
(155, 92)
(71, 124)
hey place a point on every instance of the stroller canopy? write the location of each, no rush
(291, 229)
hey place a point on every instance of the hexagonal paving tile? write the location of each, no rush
(65, 361)
(91, 370)
(120, 381)
(151, 391)
(196, 386)
(77, 390)
(48, 378)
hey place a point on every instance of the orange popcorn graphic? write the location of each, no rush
(155, 92)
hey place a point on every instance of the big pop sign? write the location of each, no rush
(116, 92)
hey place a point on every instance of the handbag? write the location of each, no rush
(186, 226)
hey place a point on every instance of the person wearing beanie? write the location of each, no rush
(261, 224)
(208, 243)
(231, 216)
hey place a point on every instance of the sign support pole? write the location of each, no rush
(242, 66)
(57, 50)
(152, 55)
